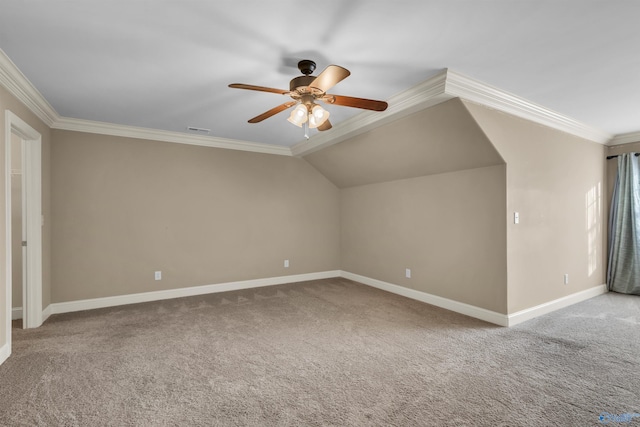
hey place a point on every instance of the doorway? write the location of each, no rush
(23, 185)
(18, 276)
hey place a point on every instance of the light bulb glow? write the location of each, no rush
(299, 115)
(318, 116)
(318, 112)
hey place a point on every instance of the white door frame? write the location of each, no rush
(32, 216)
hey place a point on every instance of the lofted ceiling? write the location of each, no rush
(166, 65)
(454, 142)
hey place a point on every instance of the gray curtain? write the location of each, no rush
(623, 273)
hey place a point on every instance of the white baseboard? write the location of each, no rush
(448, 304)
(16, 313)
(458, 307)
(90, 304)
(548, 307)
(477, 312)
(46, 313)
(5, 352)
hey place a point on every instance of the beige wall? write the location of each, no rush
(8, 102)
(556, 182)
(426, 192)
(624, 148)
(447, 228)
(440, 139)
(124, 208)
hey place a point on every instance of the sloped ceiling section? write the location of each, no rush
(440, 139)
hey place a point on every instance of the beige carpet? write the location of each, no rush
(323, 353)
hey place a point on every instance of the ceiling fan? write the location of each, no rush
(305, 90)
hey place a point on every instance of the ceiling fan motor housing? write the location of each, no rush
(300, 83)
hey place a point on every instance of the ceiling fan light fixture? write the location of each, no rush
(299, 115)
(318, 116)
(305, 90)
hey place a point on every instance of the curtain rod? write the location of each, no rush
(613, 157)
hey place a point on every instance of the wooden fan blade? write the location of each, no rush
(348, 101)
(258, 88)
(329, 77)
(325, 126)
(272, 112)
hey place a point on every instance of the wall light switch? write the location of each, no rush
(516, 218)
(566, 279)
(286, 263)
(158, 275)
(407, 273)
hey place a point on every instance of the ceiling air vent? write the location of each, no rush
(199, 130)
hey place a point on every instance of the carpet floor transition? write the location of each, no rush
(323, 353)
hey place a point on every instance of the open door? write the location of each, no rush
(32, 224)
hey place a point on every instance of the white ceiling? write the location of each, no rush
(166, 65)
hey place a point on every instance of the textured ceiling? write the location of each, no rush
(166, 64)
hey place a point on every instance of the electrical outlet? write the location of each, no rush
(407, 273)
(158, 275)
(566, 279)
(286, 263)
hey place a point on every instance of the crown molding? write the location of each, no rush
(439, 88)
(90, 126)
(19, 86)
(464, 87)
(424, 95)
(625, 138)
(446, 85)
